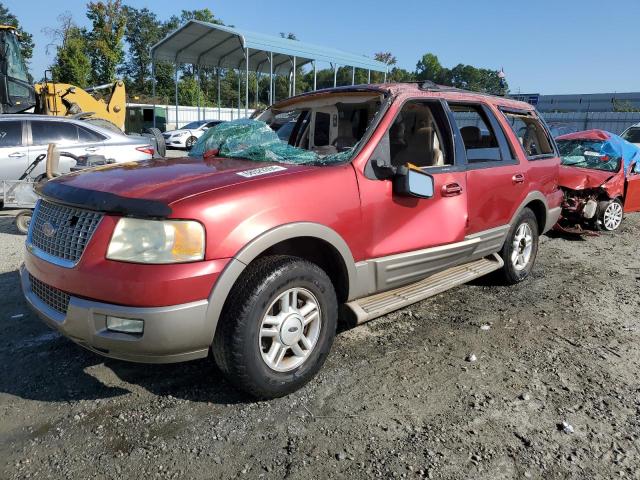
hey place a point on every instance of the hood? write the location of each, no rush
(173, 132)
(149, 187)
(575, 178)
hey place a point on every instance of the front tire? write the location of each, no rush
(520, 248)
(190, 142)
(610, 213)
(277, 327)
(23, 220)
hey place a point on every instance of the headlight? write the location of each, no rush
(156, 241)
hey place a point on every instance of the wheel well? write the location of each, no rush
(539, 210)
(322, 254)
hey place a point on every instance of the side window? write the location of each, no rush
(88, 136)
(44, 133)
(530, 133)
(479, 139)
(10, 134)
(419, 135)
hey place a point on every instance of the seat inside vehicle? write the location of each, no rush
(415, 138)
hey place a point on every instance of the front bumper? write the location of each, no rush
(171, 334)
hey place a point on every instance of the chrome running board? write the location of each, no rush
(368, 308)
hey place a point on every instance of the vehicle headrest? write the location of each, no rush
(471, 135)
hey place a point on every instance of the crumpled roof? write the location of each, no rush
(255, 140)
(613, 146)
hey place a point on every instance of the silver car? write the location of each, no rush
(24, 136)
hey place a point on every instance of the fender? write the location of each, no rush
(533, 196)
(259, 244)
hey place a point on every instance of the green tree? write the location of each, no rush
(25, 38)
(143, 30)
(463, 76)
(429, 68)
(71, 64)
(105, 39)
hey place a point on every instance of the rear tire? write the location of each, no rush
(610, 214)
(520, 248)
(270, 341)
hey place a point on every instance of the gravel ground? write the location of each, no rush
(398, 397)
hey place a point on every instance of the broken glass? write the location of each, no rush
(255, 140)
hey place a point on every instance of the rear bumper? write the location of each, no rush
(173, 333)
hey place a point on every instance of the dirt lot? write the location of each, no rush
(396, 399)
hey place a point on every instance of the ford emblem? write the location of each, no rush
(49, 230)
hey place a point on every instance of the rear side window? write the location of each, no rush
(530, 133)
(88, 136)
(44, 133)
(632, 135)
(10, 134)
(478, 136)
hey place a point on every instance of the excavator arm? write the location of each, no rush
(61, 99)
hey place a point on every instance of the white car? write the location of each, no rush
(187, 136)
(25, 136)
(632, 134)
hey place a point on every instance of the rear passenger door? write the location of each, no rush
(63, 133)
(497, 182)
(13, 150)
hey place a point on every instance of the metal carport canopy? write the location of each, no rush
(210, 45)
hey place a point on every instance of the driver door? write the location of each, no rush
(409, 238)
(632, 191)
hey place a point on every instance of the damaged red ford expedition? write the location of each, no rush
(377, 197)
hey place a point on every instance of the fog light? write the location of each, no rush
(124, 325)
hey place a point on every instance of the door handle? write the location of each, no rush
(16, 155)
(518, 178)
(91, 149)
(451, 190)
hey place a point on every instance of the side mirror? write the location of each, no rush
(413, 182)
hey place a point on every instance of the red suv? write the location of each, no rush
(379, 196)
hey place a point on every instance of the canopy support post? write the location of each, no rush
(257, 88)
(335, 75)
(196, 69)
(353, 75)
(219, 109)
(176, 94)
(385, 74)
(153, 89)
(239, 75)
(246, 83)
(368, 76)
(315, 76)
(271, 78)
(294, 76)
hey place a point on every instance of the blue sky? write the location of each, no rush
(551, 47)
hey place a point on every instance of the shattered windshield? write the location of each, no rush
(319, 131)
(595, 155)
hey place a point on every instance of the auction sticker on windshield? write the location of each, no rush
(261, 171)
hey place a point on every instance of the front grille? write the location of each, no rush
(62, 231)
(56, 299)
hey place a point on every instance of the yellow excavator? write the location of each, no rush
(17, 94)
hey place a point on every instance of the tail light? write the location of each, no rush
(148, 149)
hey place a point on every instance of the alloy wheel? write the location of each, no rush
(290, 329)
